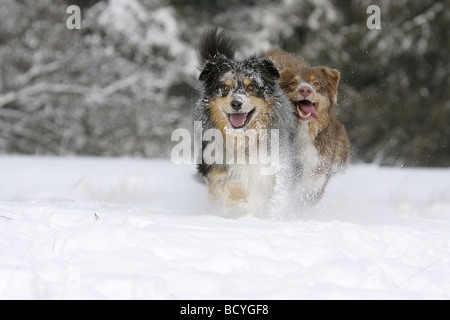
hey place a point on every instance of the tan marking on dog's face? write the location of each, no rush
(220, 108)
(247, 82)
(229, 82)
(249, 86)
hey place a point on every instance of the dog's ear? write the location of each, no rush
(214, 68)
(209, 71)
(332, 76)
(268, 70)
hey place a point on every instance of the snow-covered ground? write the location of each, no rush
(143, 229)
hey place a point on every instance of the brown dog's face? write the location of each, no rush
(311, 90)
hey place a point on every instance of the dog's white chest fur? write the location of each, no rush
(310, 183)
(308, 153)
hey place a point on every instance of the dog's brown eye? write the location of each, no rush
(225, 88)
(250, 88)
(293, 83)
(316, 84)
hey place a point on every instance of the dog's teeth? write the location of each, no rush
(304, 115)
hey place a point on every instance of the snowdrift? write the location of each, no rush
(78, 228)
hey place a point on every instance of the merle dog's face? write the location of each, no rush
(239, 93)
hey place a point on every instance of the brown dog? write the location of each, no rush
(323, 143)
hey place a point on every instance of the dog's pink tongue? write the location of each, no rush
(309, 108)
(238, 119)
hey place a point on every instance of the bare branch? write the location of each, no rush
(37, 71)
(8, 98)
(12, 114)
(29, 134)
(40, 88)
(119, 85)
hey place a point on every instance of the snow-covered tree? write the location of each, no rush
(127, 79)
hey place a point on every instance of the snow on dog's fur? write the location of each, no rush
(323, 143)
(242, 98)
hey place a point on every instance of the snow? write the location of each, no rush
(86, 228)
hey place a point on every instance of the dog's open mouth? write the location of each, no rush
(305, 109)
(240, 120)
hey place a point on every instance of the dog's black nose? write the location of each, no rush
(236, 104)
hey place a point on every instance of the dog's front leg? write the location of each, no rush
(224, 190)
